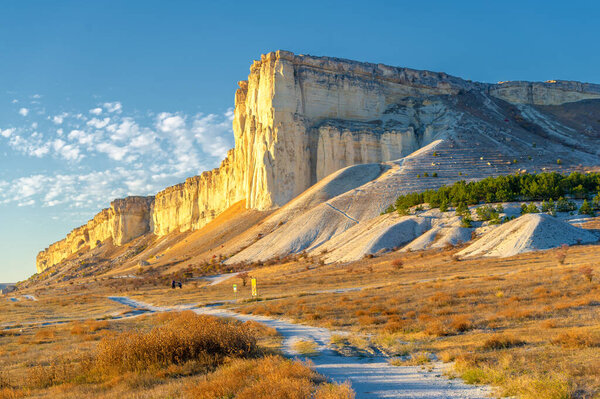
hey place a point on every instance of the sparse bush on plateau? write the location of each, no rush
(561, 254)
(397, 264)
(587, 272)
(500, 341)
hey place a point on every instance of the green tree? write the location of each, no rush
(444, 206)
(586, 209)
(466, 222)
(462, 209)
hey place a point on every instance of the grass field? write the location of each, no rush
(176, 355)
(527, 324)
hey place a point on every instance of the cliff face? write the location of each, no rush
(552, 92)
(125, 220)
(297, 119)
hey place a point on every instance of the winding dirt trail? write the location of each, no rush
(371, 377)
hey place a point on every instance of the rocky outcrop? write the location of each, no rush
(298, 119)
(125, 220)
(552, 92)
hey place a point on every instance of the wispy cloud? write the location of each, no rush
(23, 111)
(113, 107)
(105, 153)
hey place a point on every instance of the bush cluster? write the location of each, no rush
(187, 337)
(519, 187)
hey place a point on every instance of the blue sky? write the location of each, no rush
(112, 98)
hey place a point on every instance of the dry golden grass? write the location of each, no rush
(151, 356)
(433, 302)
(266, 378)
(485, 309)
(189, 337)
(306, 347)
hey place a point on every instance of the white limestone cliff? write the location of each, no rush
(297, 119)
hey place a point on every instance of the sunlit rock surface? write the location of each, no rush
(299, 118)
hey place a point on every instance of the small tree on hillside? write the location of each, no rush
(523, 209)
(596, 202)
(444, 206)
(586, 209)
(562, 205)
(462, 209)
(466, 222)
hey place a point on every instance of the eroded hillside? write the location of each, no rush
(299, 120)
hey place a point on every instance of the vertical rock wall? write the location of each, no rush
(297, 119)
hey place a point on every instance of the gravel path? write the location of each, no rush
(371, 377)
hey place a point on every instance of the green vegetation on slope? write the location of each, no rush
(518, 187)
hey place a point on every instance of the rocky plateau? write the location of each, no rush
(324, 145)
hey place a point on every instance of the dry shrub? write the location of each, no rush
(4, 381)
(517, 314)
(12, 393)
(449, 355)
(265, 378)
(441, 299)
(58, 371)
(260, 329)
(577, 339)
(550, 323)
(502, 341)
(561, 254)
(306, 347)
(79, 329)
(97, 325)
(44, 335)
(334, 391)
(370, 320)
(188, 337)
(587, 272)
(393, 326)
(466, 293)
(398, 264)
(436, 328)
(461, 323)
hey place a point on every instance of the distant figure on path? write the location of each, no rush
(173, 284)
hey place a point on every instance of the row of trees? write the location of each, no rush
(519, 187)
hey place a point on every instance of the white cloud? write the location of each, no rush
(97, 123)
(113, 107)
(6, 132)
(59, 119)
(114, 152)
(23, 111)
(104, 154)
(26, 203)
(213, 133)
(169, 123)
(14, 101)
(69, 152)
(40, 151)
(81, 137)
(36, 96)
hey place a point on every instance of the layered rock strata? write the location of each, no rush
(297, 119)
(125, 220)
